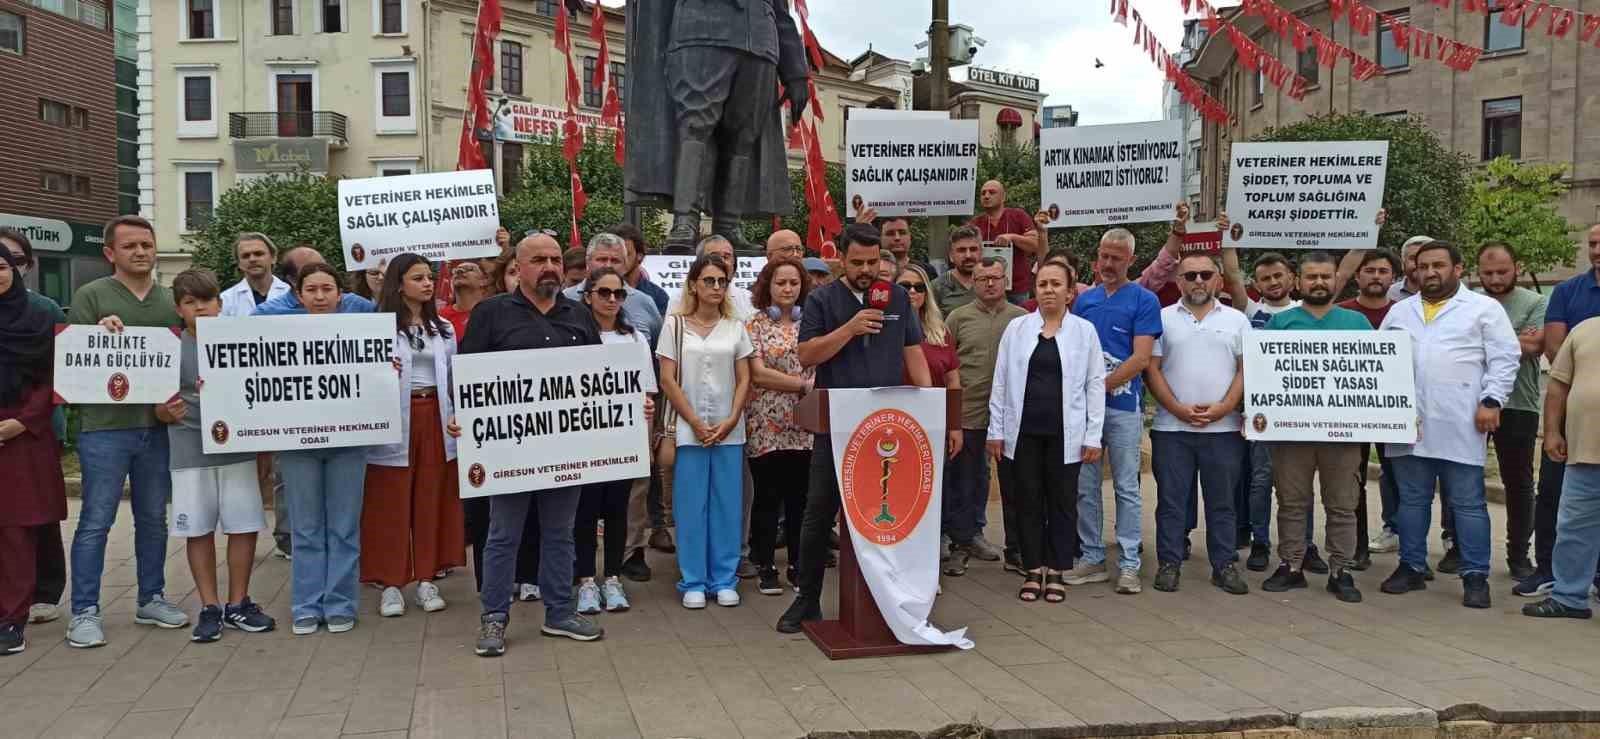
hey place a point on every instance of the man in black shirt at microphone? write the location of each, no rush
(859, 332)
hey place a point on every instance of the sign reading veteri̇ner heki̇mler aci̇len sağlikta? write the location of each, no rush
(1355, 386)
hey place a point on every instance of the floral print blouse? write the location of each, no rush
(770, 416)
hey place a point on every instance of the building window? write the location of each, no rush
(11, 32)
(510, 168)
(394, 172)
(1390, 57)
(546, 8)
(1502, 128)
(51, 111)
(332, 16)
(196, 98)
(396, 94)
(969, 111)
(1393, 115)
(396, 104)
(511, 67)
(56, 182)
(1306, 65)
(619, 78)
(199, 189)
(282, 17)
(1498, 36)
(202, 19)
(593, 96)
(1258, 91)
(394, 166)
(391, 16)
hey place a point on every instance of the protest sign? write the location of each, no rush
(873, 114)
(1201, 238)
(1002, 253)
(551, 418)
(1353, 386)
(136, 367)
(1096, 175)
(911, 165)
(440, 215)
(275, 383)
(1306, 194)
(669, 272)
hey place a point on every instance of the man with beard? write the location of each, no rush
(1374, 275)
(255, 253)
(533, 316)
(1408, 256)
(1466, 356)
(1296, 464)
(1571, 303)
(1012, 228)
(1197, 376)
(852, 345)
(955, 288)
(1515, 440)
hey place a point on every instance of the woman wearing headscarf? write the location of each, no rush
(36, 495)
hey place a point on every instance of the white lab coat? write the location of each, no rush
(1083, 383)
(238, 302)
(1469, 353)
(444, 349)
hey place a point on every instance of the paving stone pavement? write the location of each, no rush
(662, 671)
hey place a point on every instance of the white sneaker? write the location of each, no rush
(1084, 573)
(728, 598)
(1387, 541)
(40, 613)
(428, 597)
(1128, 582)
(527, 592)
(694, 600)
(394, 604)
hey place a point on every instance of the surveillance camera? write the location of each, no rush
(919, 67)
(972, 51)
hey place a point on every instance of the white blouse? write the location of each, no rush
(706, 372)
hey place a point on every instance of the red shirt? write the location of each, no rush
(942, 358)
(457, 319)
(1015, 221)
(1374, 316)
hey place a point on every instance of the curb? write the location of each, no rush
(1367, 718)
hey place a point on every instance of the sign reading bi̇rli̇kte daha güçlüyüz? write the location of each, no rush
(136, 366)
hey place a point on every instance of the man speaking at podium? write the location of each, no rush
(853, 345)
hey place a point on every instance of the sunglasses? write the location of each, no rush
(1200, 276)
(921, 287)
(715, 283)
(608, 293)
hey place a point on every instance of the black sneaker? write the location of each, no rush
(635, 569)
(1343, 587)
(247, 616)
(208, 628)
(1552, 608)
(1229, 581)
(11, 640)
(1475, 590)
(1260, 556)
(1188, 548)
(1284, 580)
(767, 582)
(492, 635)
(793, 576)
(1313, 561)
(956, 565)
(1363, 562)
(1427, 572)
(1167, 577)
(1451, 564)
(1013, 561)
(801, 610)
(1521, 567)
(1403, 580)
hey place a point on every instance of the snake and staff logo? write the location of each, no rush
(886, 476)
(118, 386)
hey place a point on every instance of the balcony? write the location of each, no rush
(290, 124)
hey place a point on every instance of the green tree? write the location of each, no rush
(291, 209)
(543, 199)
(1517, 204)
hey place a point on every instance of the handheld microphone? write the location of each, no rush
(878, 297)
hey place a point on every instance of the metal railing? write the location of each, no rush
(288, 124)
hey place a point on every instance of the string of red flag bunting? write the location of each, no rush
(1559, 21)
(1407, 37)
(1209, 107)
(1299, 34)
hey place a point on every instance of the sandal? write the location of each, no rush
(1055, 590)
(1030, 587)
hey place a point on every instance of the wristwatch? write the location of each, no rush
(1490, 403)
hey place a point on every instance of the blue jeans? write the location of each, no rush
(558, 511)
(707, 504)
(966, 490)
(1120, 439)
(1577, 535)
(1179, 458)
(107, 458)
(1417, 477)
(324, 488)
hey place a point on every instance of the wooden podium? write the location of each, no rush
(860, 630)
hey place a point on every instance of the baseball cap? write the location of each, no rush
(813, 264)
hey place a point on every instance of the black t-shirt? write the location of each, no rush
(1042, 401)
(260, 297)
(878, 362)
(509, 322)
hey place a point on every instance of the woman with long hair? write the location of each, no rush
(324, 491)
(606, 502)
(938, 344)
(1046, 410)
(411, 525)
(36, 497)
(779, 450)
(705, 373)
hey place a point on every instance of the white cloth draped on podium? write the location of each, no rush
(889, 451)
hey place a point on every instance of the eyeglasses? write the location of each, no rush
(715, 283)
(921, 287)
(1200, 276)
(790, 249)
(607, 293)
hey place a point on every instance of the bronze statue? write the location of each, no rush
(702, 101)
